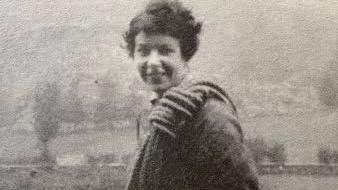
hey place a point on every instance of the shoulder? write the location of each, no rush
(219, 116)
(216, 109)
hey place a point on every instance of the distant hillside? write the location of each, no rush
(303, 133)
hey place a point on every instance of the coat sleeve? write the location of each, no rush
(229, 162)
(135, 176)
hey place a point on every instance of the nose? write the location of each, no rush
(154, 59)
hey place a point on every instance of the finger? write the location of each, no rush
(181, 100)
(175, 106)
(212, 88)
(160, 114)
(166, 110)
(165, 129)
(190, 98)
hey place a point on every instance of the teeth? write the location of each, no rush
(156, 74)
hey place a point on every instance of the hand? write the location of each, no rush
(176, 107)
(179, 105)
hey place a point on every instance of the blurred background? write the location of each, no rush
(64, 61)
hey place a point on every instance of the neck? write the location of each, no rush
(159, 93)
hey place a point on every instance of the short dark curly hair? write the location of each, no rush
(166, 17)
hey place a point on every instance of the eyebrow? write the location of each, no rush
(142, 45)
(160, 46)
(165, 46)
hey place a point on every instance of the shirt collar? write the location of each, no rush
(154, 98)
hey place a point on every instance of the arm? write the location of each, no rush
(134, 178)
(228, 160)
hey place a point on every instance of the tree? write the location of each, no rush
(72, 108)
(258, 148)
(46, 115)
(276, 153)
(326, 155)
(334, 156)
(107, 104)
(328, 89)
(118, 102)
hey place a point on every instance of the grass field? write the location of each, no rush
(107, 178)
(285, 182)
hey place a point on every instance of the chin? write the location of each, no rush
(159, 87)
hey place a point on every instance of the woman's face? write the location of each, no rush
(159, 61)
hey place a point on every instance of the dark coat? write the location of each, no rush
(208, 153)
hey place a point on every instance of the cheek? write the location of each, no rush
(169, 69)
(178, 67)
(141, 67)
(139, 63)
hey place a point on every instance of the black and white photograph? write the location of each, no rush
(168, 95)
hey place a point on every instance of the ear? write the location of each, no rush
(186, 66)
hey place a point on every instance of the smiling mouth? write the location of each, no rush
(156, 78)
(156, 74)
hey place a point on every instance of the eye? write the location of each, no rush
(165, 50)
(143, 51)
